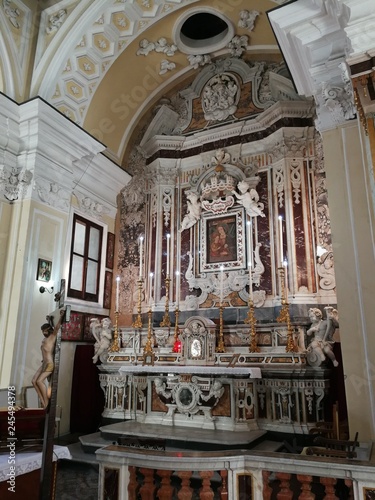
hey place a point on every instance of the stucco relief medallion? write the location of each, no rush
(220, 97)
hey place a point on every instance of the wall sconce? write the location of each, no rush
(43, 289)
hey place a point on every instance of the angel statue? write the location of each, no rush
(194, 210)
(249, 199)
(102, 332)
(323, 330)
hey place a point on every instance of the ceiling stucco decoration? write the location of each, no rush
(99, 32)
(81, 44)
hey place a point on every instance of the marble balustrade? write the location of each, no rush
(239, 474)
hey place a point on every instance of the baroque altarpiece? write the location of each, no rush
(224, 250)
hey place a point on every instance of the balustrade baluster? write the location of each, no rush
(285, 492)
(224, 485)
(329, 484)
(165, 492)
(349, 484)
(267, 490)
(133, 485)
(185, 493)
(206, 493)
(147, 490)
(306, 493)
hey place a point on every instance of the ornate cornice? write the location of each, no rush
(316, 37)
(36, 144)
(287, 113)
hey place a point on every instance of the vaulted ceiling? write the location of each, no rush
(105, 63)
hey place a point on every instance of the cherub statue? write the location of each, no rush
(194, 210)
(102, 332)
(323, 330)
(249, 199)
(160, 387)
(216, 391)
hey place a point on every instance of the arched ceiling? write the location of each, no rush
(85, 60)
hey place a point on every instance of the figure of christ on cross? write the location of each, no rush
(46, 369)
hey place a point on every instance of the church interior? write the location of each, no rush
(188, 187)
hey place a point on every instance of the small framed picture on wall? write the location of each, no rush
(44, 270)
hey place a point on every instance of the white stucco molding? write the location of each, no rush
(99, 179)
(310, 33)
(316, 38)
(42, 145)
(360, 26)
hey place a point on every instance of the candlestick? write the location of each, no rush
(117, 293)
(221, 284)
(151, 277)
(281, 238)
(168, 243)
(140, 256)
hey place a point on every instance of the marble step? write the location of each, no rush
(181, 437)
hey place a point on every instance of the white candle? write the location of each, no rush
(221, 284)
(281, 238)
(250, 249)
(250, 256)
(250, 282)
(117, 293)
(151, 277)
(285, 264)
(177, 288)
(140, 256)
(168, 243)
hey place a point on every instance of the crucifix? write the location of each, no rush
(50, 369)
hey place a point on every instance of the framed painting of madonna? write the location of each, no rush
(222, 241)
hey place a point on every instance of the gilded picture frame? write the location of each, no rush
(223, 241)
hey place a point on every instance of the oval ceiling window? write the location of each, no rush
(202, 32)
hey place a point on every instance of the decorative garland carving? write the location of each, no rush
(11, 13)
(52, 194)
(238, 45)
(167, 202)
(161, 46)
(90, 206)
(56, 21)
(296, 178)
(247, 19)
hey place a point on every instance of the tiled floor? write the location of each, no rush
(76, 479)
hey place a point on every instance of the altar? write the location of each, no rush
(223, 315)
(196, 386)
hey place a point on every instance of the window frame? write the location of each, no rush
(82, 294)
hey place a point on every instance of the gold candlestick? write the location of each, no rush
(166, 321)
(284, 316)
(251, 320)
(148, 352)
(220, 346)
(115, 343)
(138, 321)
(176, 343)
